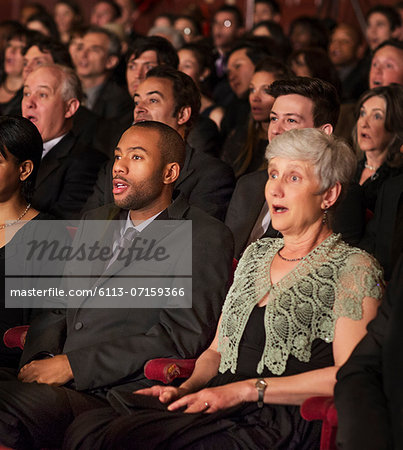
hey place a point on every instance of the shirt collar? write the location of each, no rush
(47, 146)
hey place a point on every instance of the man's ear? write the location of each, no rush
(171, 173)
(330, 196)
(327, 128)
(26, 169)
(71, 107)
(184, 115)
(111, 62)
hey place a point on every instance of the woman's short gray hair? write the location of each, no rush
(332, 158)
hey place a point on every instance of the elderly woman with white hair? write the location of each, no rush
(297, 308)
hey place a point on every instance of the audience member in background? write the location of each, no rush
(378, 133)
(68, 172)
(242, 60)
(344, 48)
(104, 12)
(399, 8)
(7, 28)
(266, 10)
(369, 389)
(144, 54)
(314, 63)
(189, 27)
(164, 20)
(11, 74)
(170, 96)
(129, 13)
(99, 55)
(274, 31)
(245, 147)
(196, 60)
(44, 50)
(382, 22)
(172, 35)
(41, 50)
(226, 28)
(45, 24)
(75, 45)
(308, 32)
(387, 64)
(67, 15)
(299, 103)
(29, 9)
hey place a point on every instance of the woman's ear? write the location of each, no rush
(26, 169)
(330, 196)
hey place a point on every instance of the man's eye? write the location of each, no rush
(137, 157)
(292, 121)
(294, 178)
(274, 176)
(153, 100)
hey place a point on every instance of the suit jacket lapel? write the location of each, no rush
(54, 158)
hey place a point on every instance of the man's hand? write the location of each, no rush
(54, 371)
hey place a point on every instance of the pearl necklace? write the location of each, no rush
(8, 224)
(367, 166)
(289, 259)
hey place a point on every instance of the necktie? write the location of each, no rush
(122, 245)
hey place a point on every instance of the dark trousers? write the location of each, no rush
(37, 415)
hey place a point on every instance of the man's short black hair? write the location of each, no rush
(232, 10)
(57, 50)
(274, 6)
(166, 53)
(389, 12)
(185, 91)
(257, 47)
(326, 102)
(391, 43)
(117, 11)
(171, 144)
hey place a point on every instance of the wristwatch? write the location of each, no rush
(261, 386)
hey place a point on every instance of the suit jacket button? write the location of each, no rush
(78, 326)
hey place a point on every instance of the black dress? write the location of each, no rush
(142, 422)
(15, 252)
(372, 185)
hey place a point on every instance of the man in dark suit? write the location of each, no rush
(68, 171)
(93, 352)
(369, 388)
(170, 96)
(97, 58)
(299, 103)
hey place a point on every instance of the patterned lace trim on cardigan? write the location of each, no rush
(330, 282)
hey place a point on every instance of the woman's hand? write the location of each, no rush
(165, 394)
(210, 400)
